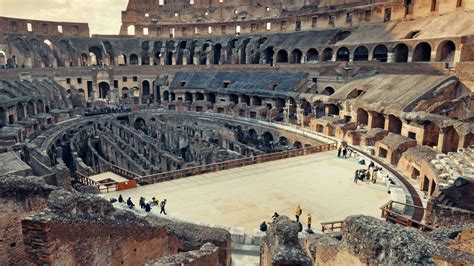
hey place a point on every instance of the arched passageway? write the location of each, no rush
(380, 53)
(446, 51)
(361, 54)
(282, 56)
(312, 56)
(422, 52)
(104, 89)
(343, 54)
(362, 117)
(400, 52)
(296, 56)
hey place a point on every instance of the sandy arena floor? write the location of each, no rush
(243, 197)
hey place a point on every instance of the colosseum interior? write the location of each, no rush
(234, 110)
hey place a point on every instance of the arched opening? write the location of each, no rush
(361, 54)
(39, 107)
(283, 141)
(280, 104)
(145, 59)
(136, 92)
(267, 141)
(380, 53)
(230, 51)
(133, 59)
(450, 141)
(199, 96)
(245, 99)
(131, 30)
(211, 97)
(146, 87)
(306, 106)
(269, 53)
(20, 111)
(328, 91)
(422, 52)
(234, 98)
(296, 56)
(84, 60)
(327, 55)
(252, 136)
(104, 89)
(188, 97)
(343, 54)
(11, 119)
(256, 101)
(446, 51)
(394, 124)
(124, 93)
(378, 120)
(312, 56)
(332, 109)
(2, 117)
(166, 96)
(282, 56)
(122, 60)
(169, 58)
(96, 55)
(3, 58)
(139, 124)
(30, 108)
(297, 145)
(203, 55)
(217, 53)
(400, 52)
(362, 117)
(431, 135)
(243, 51)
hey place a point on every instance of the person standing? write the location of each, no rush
(298, 212)
(142, 202)
(356, 176)
(339, 152)
(120, 199)
(308, 221)
(162, 206)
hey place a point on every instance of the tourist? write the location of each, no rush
(371, 165)
(374, 174)
(154, 201)
(263, 226)
(300, 227)
(367, 176)
(339, 152)
(356, 176)
(275, 215)
(130, 203)
(344, 152)
(120, 199)
(147, 207)
(162, 206)
(298, 212)
(142, 203)
(308, 220)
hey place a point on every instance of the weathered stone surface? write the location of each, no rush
(207, 255)
(281, 247)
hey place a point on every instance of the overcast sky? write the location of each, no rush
(103, 16)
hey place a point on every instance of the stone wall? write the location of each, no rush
(19, 197)
(86, 229)
(439, 215)
(207, 255)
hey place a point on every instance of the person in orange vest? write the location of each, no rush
(308, 221)
(298, 212)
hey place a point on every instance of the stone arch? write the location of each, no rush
(312, 56)
(3, 58)
(327, 55)
(30, 108)
(394, 124)
(84, 60)
(422, 52)
(145, 88)
(131, 30)
(267, 140)
(297, 145)
(400, 52)
(328, 91)
(124, 93)
(234, 98)
(133, 59)
(139, 123)
(166, 96)
(282, 56)
(20, 111)
(446, 51)
(431, 134)
(252, 136)
(380, 53)
(306, 106)
(269, 53)
(378, 120)
(3, 115)
(243, 51)
(283, 141)
(122, 60)
(296, 56)
(104, 90)
(180, 53)
(361, 53)
(145, 59)
(343, 54)
(450, 140)
(217, 50)
(39, 107)
(203, 55)
(362, 117)
(280, 104)
(245, 99)
(96, 55)
(230, 50)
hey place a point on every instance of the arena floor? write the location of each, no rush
(243, 197)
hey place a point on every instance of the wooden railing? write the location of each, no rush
(332, 226)
(209, 168)
(396, 215)
(83, 175)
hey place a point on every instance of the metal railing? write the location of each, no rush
(391, 213)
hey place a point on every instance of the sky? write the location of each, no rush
(103, 16)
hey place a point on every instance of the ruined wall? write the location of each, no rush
(19, 197)
(41, 27)
(207, 255)
(439, 215)
(108, 236)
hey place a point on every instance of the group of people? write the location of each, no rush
(368, 175)
(146, 205)
(298, 213)
(342, 151)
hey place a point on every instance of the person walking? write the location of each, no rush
(308, 220)
(344, 152)
(142, 202)
(356, 176)
(339, 152)
(162, 206)
(298, 212)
